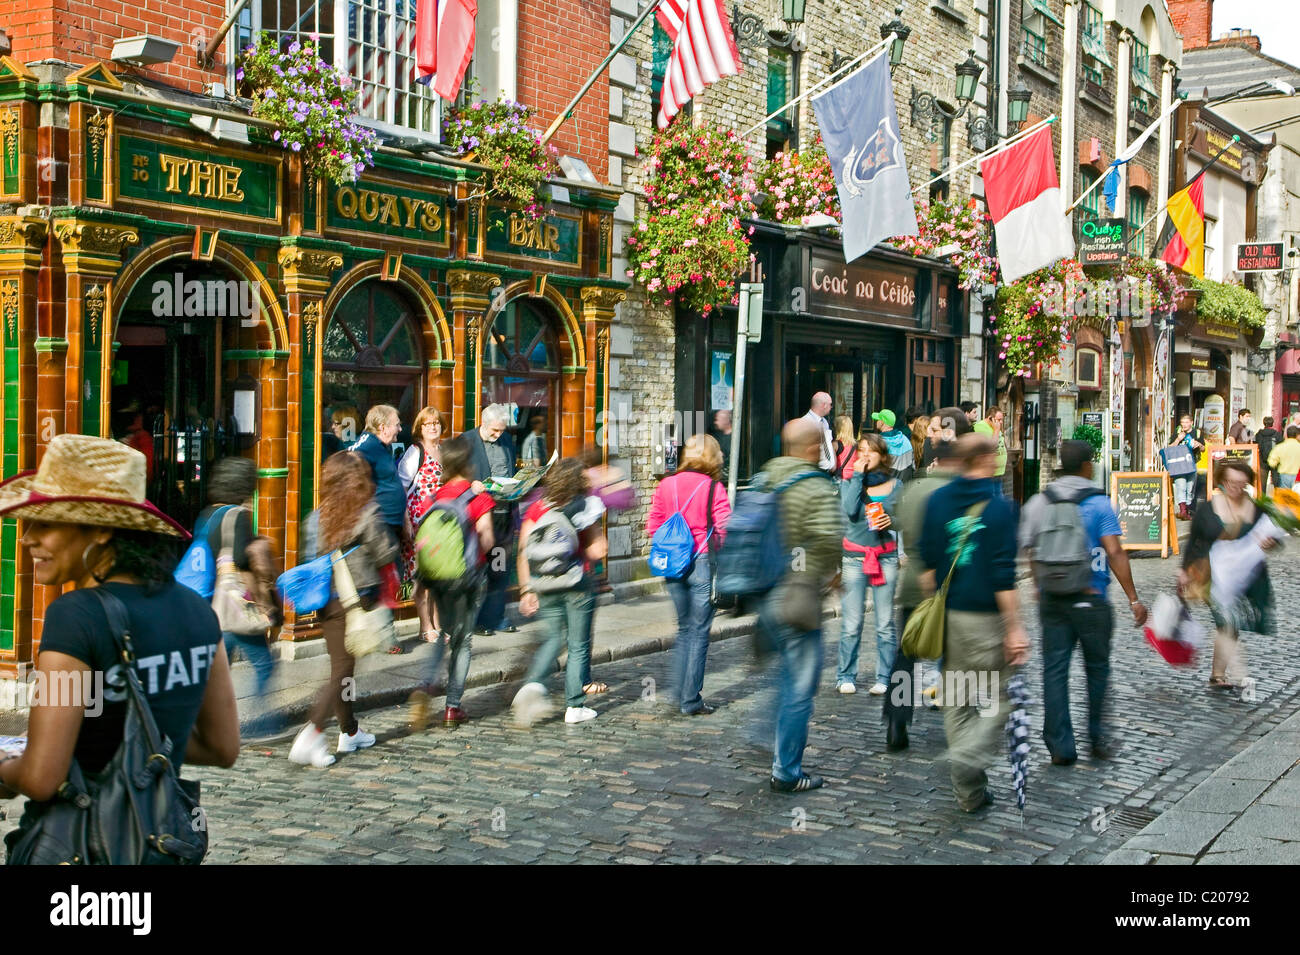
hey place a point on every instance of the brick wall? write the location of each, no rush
(82, 31)
(560, 43)
(1192, 18)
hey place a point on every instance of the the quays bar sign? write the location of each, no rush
(871, 291)
(555, 238)
(169, 172)
(378, 207)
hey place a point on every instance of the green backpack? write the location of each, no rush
(447, 551)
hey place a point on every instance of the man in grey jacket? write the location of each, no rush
(791, 614)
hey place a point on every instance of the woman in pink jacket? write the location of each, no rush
(696, 491)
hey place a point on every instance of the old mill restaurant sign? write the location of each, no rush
(168, 172)
(379, 207)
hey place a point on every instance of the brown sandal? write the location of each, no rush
(595, 688)
(1219, 683)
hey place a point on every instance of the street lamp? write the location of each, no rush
(1018, 104)
(926, 108)
(792, 11)
(901, 31)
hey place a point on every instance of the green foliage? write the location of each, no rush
(310, 103)
(1086, 432)
(499, 137)
(1230, 304)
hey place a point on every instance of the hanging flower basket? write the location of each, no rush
(498, 135)
(940, 224)
(1035, 317)
(796, 185)
(691, 243)
(311, 104)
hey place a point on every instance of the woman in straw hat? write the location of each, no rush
(348, 520)
(85, 521)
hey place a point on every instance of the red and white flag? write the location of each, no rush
(1024, 199)
(704, 51)
(444, 43)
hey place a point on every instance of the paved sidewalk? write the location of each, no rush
(628, 627)
(1245, 812)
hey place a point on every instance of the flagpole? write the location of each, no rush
(568, 110)
(1087, 192)
(853, 62)
(997, 148)
(1235, 139)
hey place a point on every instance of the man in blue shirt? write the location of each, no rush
(1084, 617)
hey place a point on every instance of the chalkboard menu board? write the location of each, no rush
(1141, 499)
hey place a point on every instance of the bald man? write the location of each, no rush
(813, 525)
(817, 415)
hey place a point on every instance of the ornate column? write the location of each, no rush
(22, 239)
(470, 294)
(598, 304)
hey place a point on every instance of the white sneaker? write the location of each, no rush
(878, 689)
(846, 687)
(530, 704)
(310, 748)
(579, 714)
(358, 740)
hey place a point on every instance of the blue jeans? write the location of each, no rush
(258, 652)
(567, 618)
(693, 597)
(1184, 489)
(1087, 620)
(1286, 481)
(801, 660)
(456, 615)
(852, 607)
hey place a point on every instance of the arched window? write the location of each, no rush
(521, 369)
(372, 356)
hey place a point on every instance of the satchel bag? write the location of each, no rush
(365, 631)
(232, 600)
(923, 633)
(136, 811)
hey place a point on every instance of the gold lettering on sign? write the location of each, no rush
(534, 234)
(404, 212)
(206, 180)
(139, 168)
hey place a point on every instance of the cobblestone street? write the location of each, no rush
(641, 784)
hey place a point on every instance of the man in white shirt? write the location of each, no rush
(817, 412)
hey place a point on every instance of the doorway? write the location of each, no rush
(854, 377)
(521, 370)
(928, 387)
(167, 397)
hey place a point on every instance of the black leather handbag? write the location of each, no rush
(136, 811)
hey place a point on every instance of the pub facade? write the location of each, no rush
(882, 332)
(215, 298)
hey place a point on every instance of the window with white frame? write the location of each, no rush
(374, 42)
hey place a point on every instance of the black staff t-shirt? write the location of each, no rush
(175, 634)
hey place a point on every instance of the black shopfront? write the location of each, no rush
(882, 332)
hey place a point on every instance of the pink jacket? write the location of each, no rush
(675, 490)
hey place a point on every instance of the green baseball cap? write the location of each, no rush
(885, 417)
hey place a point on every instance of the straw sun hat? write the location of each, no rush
(87, 480)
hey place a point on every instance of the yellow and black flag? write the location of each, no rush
(1182, 240)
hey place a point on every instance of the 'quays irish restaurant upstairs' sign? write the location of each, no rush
(168, 172)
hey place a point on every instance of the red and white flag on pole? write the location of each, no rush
(444, 43)
(1024, 199)
(704, 51)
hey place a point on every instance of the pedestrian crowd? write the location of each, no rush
(907, 519)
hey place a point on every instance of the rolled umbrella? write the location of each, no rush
(1018, 736)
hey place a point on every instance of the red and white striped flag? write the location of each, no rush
(704, 51)
(444, 43)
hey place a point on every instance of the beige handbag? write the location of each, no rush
(233, 596)
(365, 631)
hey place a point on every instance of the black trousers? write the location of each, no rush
(901, 695)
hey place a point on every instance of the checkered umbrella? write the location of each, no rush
(1018, 736)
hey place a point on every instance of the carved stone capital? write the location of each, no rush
(25, 233)
(602, 299)
(464, 282)
(93, 247)
(312, 263)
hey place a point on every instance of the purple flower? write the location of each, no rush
(276, 135)
(295, 146)
(294, 47)
(239, 73)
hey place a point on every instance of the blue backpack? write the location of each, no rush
(754, 557)
(197, 569)
(672, 549)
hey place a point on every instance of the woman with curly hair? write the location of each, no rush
(560, 534)
(86, 522)
(349, 521)
(870, 499)
(420, 471)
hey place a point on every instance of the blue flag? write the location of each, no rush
(859, 125)
(1110, 188)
